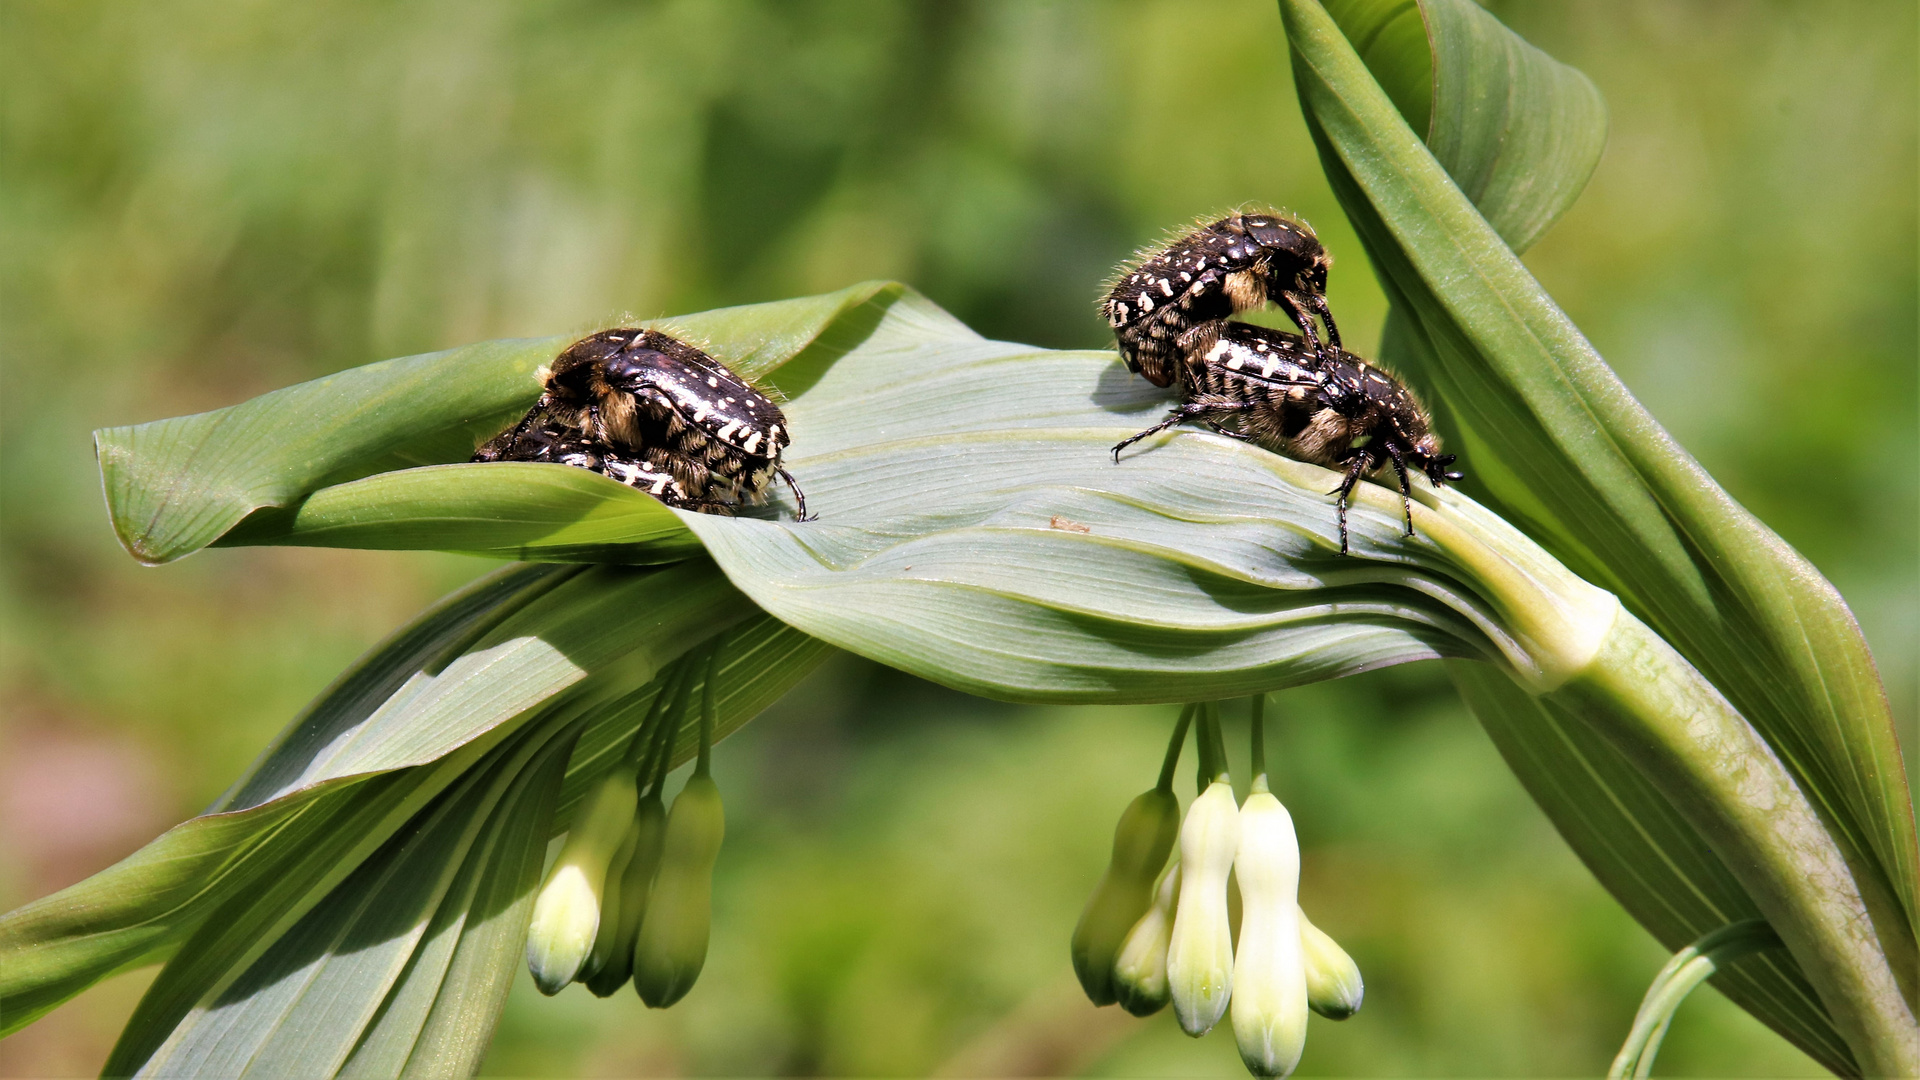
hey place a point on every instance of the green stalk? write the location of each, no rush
(1259, 754)
(1643, 696)
(1573, 646)
(708, 709)
(1174, 744)
(1212, 748)
(1689, 968)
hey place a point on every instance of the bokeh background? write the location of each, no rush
(204, 201)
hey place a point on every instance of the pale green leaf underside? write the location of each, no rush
(972, 526)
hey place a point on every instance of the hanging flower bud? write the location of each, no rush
(635, 880)
(609, 916)
(1200, 952)
(672, 944)
(1140, 845)
(1140, 969)
(566, 917)
(1269, 973)
(1334, 989)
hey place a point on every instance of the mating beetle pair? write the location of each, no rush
(1298, 395)
(654, 413)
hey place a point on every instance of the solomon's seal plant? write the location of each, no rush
(1689, 701)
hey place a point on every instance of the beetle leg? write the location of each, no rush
(1301, 312)
(493, 448)
(1354, 472)
(1400, 467)
(1319, 304)
(800, 501)
(1186, 410)
(1197, 341)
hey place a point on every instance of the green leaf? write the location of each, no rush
(513, 510)
(294, 973)
(973, 528)
(1559, 446)
(291, 811)
(487, 927)
(174, 486)
(304, 1004)
(391, 734)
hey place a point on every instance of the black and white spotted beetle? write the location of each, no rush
(1176, 299)
(655, 413)
(1331, 408)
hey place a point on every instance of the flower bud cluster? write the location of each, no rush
(630, 897)
(1182, 947)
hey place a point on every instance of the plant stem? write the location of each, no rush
(1213, 749)
(1259, 724)
(1725, 780)
(708, 708)
(1689, 968)
(660, 747)
(1179, 740)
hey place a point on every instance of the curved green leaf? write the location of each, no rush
(439, 1020)
(1562, 448)
(294, 972)
(174, 486)
(974, 530)
(512, 510)
(1518, 131)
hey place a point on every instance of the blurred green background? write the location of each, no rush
(206, 201)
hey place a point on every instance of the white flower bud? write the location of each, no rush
(1200, 953)
(566, 916)
(1334, 989)
(1140, 968)
(1269, 973)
